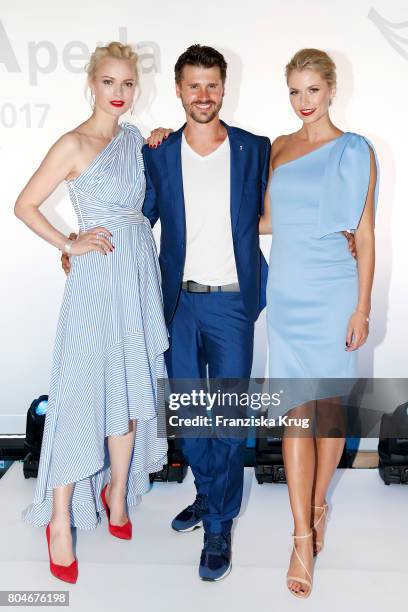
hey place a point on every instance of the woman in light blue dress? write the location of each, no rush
(322, 183)
(100, 439)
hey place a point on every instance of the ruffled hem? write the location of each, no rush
(88, 514)
(87, 406)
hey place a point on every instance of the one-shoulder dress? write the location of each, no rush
(109, 346)
(312, 287)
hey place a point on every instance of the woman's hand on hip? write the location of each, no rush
(95, 239)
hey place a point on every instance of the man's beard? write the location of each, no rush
(195, 114)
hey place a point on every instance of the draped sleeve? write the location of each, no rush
(139, 140)
(345, 185)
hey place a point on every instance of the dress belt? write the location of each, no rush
(114, 221)
(193, 287)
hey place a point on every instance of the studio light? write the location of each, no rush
(393, 446)
(34, 434)
(176, 468)
(269, 461)
(269, 465)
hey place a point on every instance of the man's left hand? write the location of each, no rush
(351, 243)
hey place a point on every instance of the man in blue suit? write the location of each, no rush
(206, 184)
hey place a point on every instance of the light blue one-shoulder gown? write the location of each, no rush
(312, 285)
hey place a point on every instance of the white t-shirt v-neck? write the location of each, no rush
(210, 256)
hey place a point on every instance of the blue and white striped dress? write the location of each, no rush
(110, 342)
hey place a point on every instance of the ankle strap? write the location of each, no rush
(299, 557)
(324, 507)
(299, 537)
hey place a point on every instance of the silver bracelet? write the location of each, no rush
(67, 248)
(363, 313)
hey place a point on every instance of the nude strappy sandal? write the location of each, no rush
(308, 583)
(320, 543)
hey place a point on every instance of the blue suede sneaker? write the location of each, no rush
(215, 562)
(191, 517)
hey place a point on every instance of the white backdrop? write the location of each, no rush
(43, 48)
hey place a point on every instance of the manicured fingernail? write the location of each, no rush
(165, 137)
(159, 142)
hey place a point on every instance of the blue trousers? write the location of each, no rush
(212, 329)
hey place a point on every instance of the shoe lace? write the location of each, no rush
(199, 504)
(214, 543)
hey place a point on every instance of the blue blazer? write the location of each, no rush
(165, 201)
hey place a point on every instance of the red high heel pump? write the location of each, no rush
(68, 573)
(124, 532)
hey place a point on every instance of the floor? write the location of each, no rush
(364, 566)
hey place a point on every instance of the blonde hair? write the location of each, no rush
(113, 49)
(313, 59)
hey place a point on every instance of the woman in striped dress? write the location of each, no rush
(111, 333)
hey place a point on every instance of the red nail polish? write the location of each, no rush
(159, 142)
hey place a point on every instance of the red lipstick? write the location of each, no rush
(307, 111)
(118, 103)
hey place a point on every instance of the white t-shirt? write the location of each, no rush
(210, 256)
